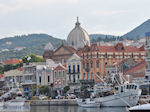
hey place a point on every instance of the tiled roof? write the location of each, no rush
(117, 48)
(20, 69)
(136, 67)
(70, 48)
(1, 75)
(12, 61)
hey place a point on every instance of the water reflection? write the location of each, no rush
(74, 109)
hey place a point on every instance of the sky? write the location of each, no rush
(58, 17)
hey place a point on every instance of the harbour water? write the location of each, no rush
(75, 109)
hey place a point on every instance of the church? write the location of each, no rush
(76, 40)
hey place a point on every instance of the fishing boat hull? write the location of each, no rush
(119, 100)
(87, 103)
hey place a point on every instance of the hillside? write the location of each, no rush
(138, 32)
(33, 43)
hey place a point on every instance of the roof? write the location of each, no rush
(49, 47)
(20, 69)
(12, 61)
(136, 67)
(1, 76)
(117, 48)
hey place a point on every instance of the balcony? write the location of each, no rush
(73, 72)
(147, 47)
(147, 58)
(28, 82)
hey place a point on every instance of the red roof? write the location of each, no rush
(12, 61)
(1, 75)
(20, 69)
(136, 67)
(117, 48)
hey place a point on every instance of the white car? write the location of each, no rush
(42, 97)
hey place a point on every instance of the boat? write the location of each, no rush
(121, 96)
(140, 108)
(88, 103)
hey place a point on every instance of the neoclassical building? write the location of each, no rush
(76, 40)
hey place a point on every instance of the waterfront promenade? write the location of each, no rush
(54, 102)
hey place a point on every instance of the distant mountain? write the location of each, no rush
(138, 32)
(32, 43)
(102, 37)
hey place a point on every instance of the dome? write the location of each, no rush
(78, 37)
(49, 47)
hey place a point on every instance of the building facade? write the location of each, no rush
(147, 48)
(59, 77)
(96, 57)
(74, 72)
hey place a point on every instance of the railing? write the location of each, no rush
(73, 71)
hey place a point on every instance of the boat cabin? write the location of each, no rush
(126, 88)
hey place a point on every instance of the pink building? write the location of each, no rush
(59, 77)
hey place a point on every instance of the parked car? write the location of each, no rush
(72, 96)
(42, 97)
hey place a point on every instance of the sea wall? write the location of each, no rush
(56, 102)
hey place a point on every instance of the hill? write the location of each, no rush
(32, 43)
(139, 31)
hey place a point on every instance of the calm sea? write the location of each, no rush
(74, 109)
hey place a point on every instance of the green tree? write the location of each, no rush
(32, 58)
(44, 90)
(1, 70)
(66, 88)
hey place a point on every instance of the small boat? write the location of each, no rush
(88, 103)
(140, 108)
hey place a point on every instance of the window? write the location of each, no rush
(78, 66)
(78, 76)
(97, 64)
(98, 73)
(83, 65)
(87, 64)
(40, 79)
(55, 75)
(83, 75)
(74, 69)
(48, 78)
(87, 76)
(69, 77)
(91, 64)
(59, 74)
(69, 69)
(74, 78)
(105, 63)
(63, 82)
(63, 74)
(92, 77)
(97, 55)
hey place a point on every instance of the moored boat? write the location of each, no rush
(140, 108)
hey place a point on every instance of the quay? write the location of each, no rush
(54, 102)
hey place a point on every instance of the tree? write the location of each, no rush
(1, 70)
(66, 88)
(44, 90)
(32, 58)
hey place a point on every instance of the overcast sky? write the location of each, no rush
(57, 17)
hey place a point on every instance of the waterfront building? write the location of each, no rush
(94, 58)
(44, 73)
(59, 77)
(74, 72)
(147, 48)
(14, 76)
(78, 37)
(29, 78)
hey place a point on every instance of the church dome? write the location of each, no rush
(78, 37)
(49, 47)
